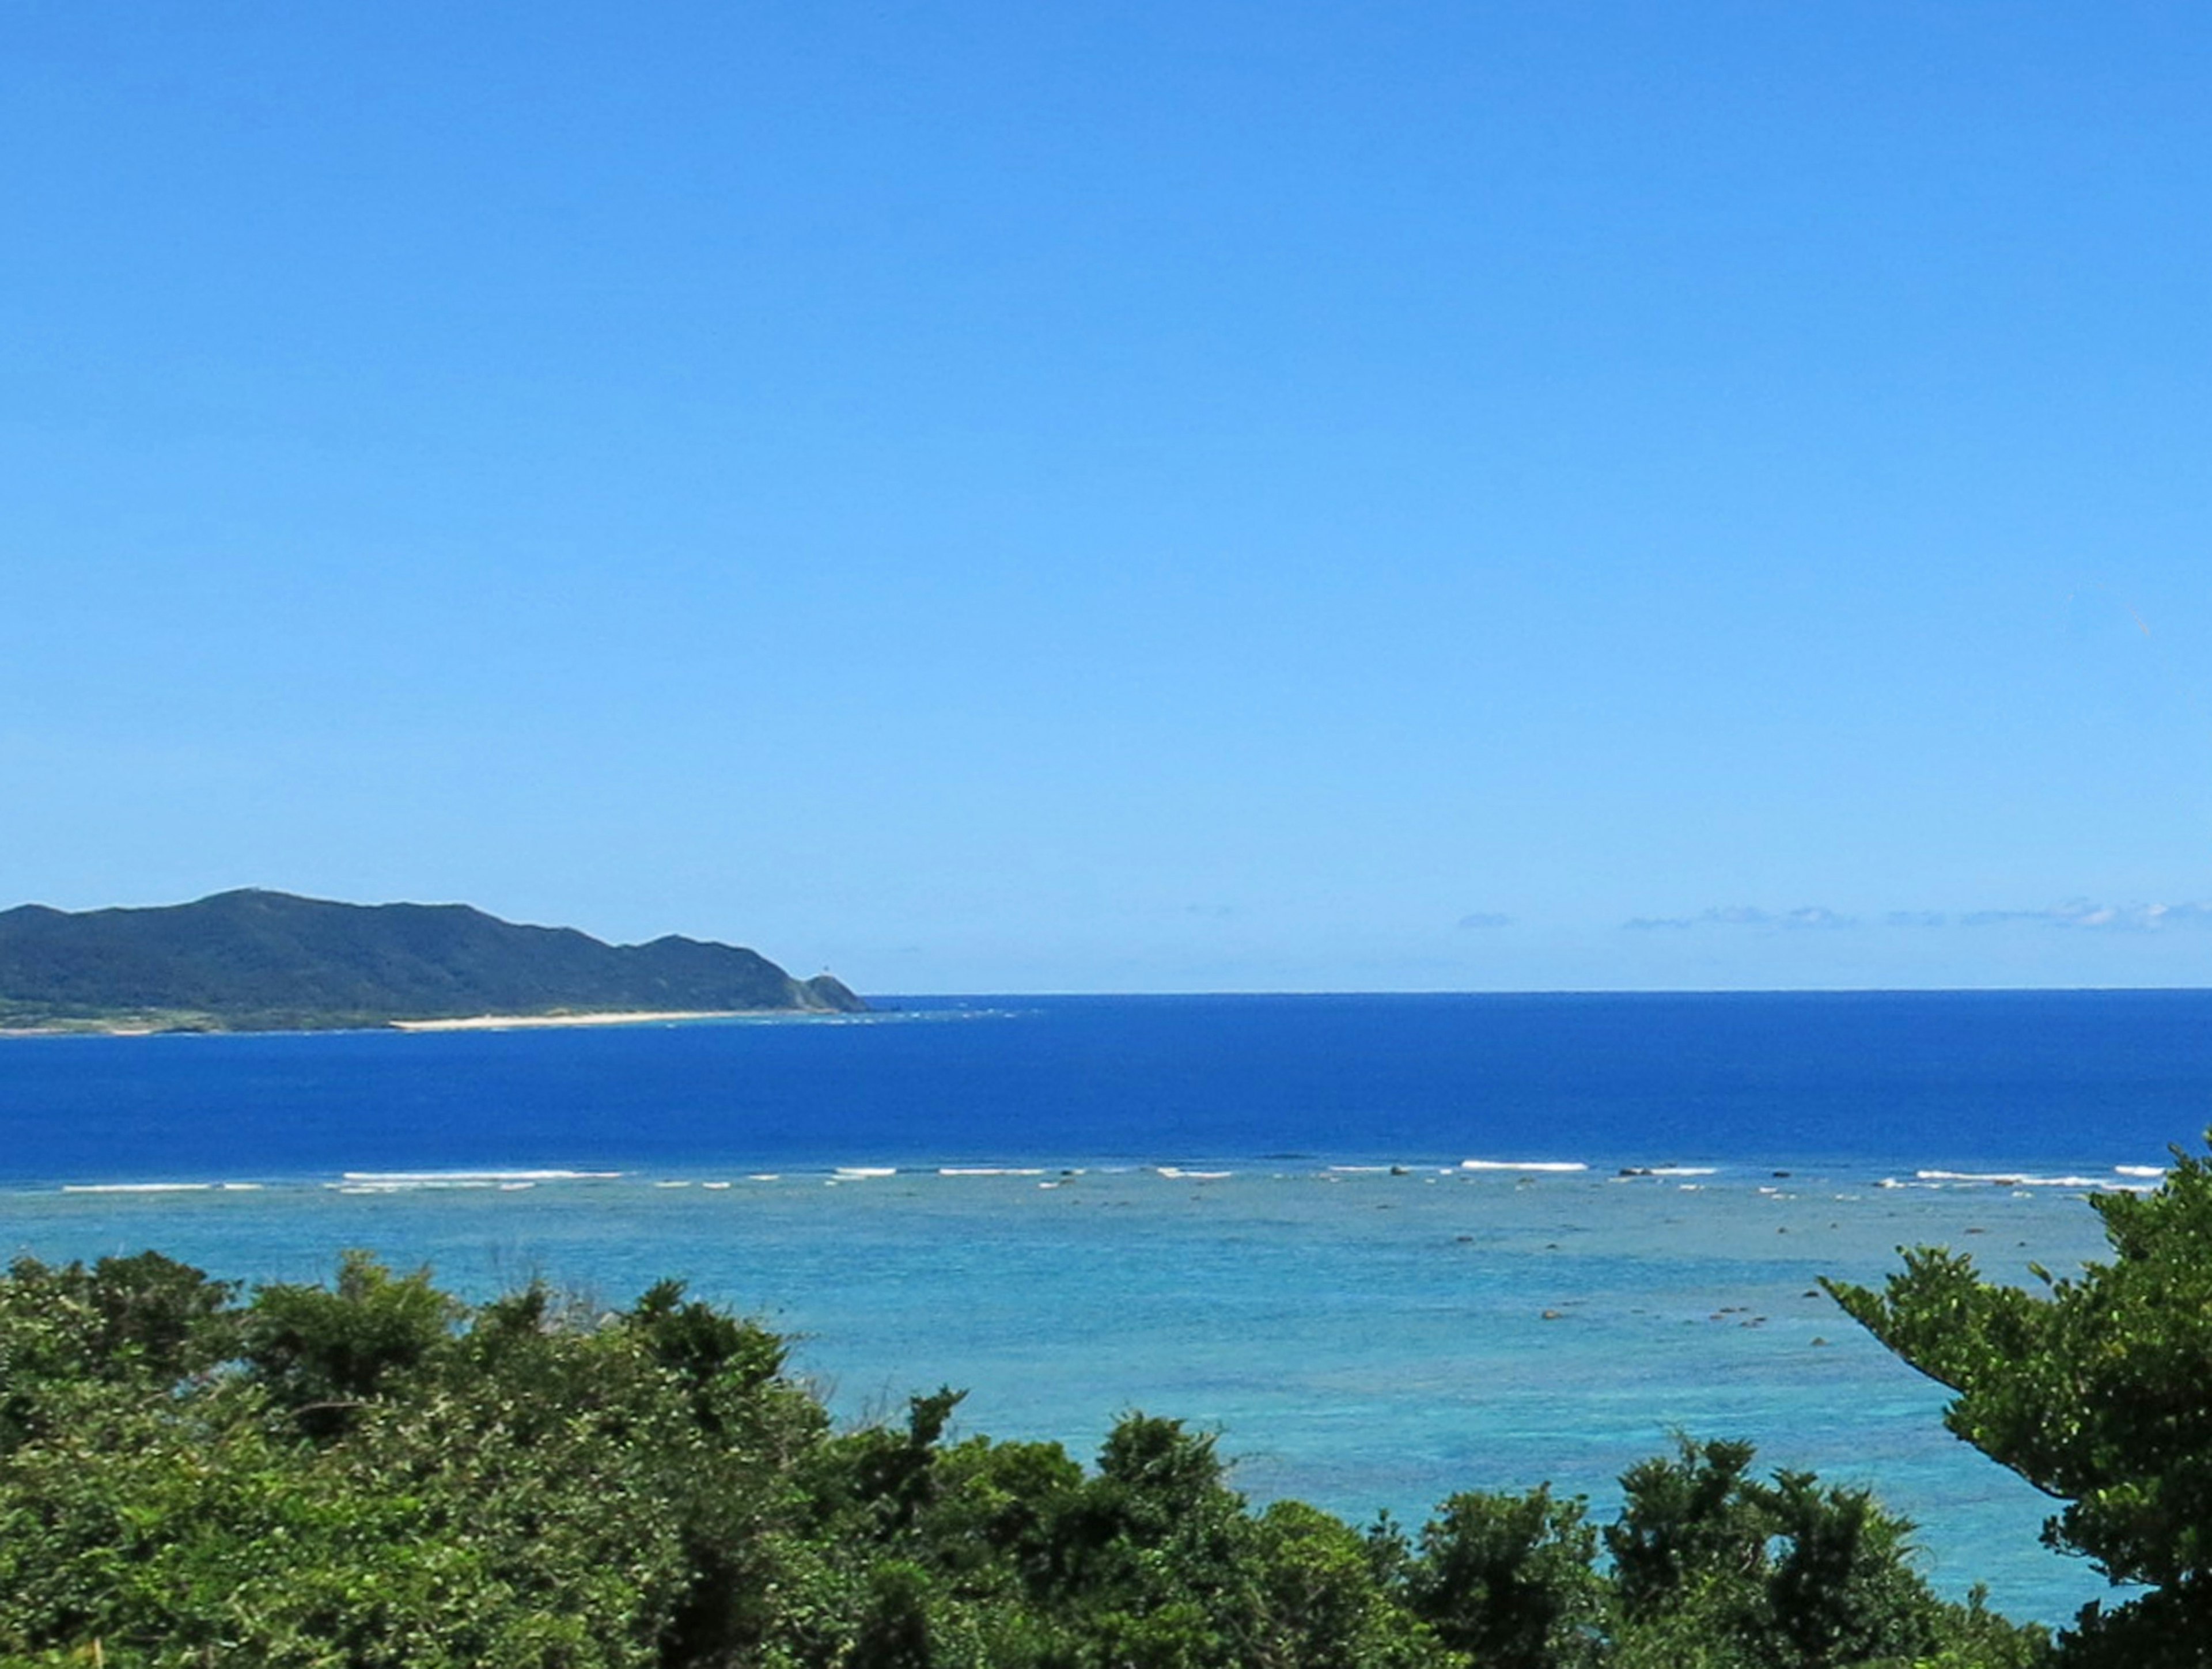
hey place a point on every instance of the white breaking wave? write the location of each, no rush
(1523, 1165)
(990, 1170)
(431, 1178)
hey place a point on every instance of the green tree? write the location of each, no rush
(1511, 1580)
(1329, 1601)
(1717, 1567)
(2094, 1390)
(374, 1475)
(126, 1321)
(326, 1353)
(1691, 1528)
(1157, 1547)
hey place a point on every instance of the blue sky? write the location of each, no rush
(989, 497)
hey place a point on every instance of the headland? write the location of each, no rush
(258, 961)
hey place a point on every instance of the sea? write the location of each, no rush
(1386, 1247)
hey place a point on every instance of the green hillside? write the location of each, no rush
(256, 960)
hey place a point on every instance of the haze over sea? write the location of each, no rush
(1255, 1213)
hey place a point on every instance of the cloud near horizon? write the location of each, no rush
(2079, 913)
(1747, 915)
(1485, 918)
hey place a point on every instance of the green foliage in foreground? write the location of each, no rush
(372, 1473)
(2098, 1391)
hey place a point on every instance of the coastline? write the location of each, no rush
(203, 1025)
(626, 1017)
(88, 1029)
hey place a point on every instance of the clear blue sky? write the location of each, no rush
(1002, 497)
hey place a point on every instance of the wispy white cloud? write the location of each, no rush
(1485, 918)
(1735, 915)
(1747, 915)
(1816, 915)
(2081, 912)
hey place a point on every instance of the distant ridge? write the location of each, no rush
(252, 959)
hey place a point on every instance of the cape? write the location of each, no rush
(252, 959)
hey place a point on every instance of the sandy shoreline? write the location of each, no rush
(631, 1018)
(88, 1029)
(468, 1022)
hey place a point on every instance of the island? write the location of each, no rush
(252, 959)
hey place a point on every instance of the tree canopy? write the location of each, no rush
(2098, 1390)
(372, 1473)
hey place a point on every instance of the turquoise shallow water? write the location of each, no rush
(1360, 1338)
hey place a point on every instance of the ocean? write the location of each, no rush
(1389, 1248)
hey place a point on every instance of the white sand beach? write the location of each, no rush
(520, 1022)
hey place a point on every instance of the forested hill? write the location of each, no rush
(254, 959)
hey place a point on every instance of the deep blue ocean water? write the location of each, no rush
(1950, 1080)
(1252, 1212)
